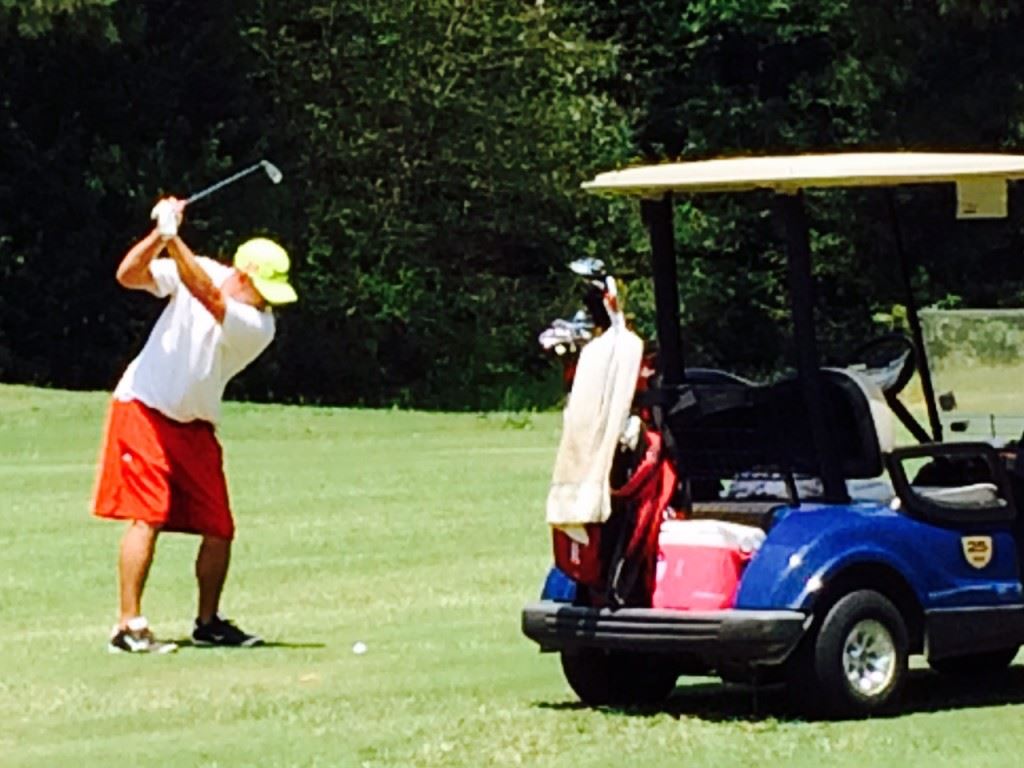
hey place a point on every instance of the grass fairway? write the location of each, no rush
(419, 534)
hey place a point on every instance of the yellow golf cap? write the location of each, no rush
(266, 263)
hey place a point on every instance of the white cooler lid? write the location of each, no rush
(711, 533)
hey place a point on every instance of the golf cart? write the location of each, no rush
(866, 553)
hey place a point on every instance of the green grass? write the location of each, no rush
(421, 535)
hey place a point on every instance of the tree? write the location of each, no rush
(723, 77)
(160, 104)
(442, 145)
(35, 19)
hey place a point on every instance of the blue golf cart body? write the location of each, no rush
(822, 541)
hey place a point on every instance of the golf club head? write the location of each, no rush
(272, 171)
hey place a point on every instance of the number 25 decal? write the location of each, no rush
(977, 550)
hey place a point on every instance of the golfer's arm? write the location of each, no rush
(196, 280)
(133, 271)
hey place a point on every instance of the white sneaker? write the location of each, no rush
(137, 637)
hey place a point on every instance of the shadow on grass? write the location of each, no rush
(187, 643)
(925, 691)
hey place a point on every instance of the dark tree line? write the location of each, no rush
(433, 151)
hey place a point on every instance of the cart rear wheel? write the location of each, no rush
(602, 677)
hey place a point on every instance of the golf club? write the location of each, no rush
(269, 168)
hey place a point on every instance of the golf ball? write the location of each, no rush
(359, 648)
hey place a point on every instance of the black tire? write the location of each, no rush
(975, 664)
(618, 678)
(858, 622)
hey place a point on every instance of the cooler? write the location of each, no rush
(700, 563)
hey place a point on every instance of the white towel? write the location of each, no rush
(594, 418)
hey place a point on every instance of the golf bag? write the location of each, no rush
(616, 564)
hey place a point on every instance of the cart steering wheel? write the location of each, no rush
(888, 360)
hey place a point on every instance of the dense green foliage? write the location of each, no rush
(438, 147)
(433, 150)
(727, 77)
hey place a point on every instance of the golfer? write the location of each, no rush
(161, 466)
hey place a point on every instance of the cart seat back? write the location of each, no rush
(737, 426)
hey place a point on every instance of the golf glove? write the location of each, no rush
(165, 213)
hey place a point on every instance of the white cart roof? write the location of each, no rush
(788, 174)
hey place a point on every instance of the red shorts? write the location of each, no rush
(163, 472)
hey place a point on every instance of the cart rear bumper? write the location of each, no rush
(713, 637)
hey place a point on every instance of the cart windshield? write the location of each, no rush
(977, 364)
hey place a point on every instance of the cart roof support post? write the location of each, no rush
(914, 320)
(657, 215)
(801, 288)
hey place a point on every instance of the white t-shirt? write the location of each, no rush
(189, 357)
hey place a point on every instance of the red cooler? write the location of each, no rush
(700, 563)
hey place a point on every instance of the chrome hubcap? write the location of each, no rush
(869, 657)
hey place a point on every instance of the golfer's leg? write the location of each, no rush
(211, 570)
(137, 547)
